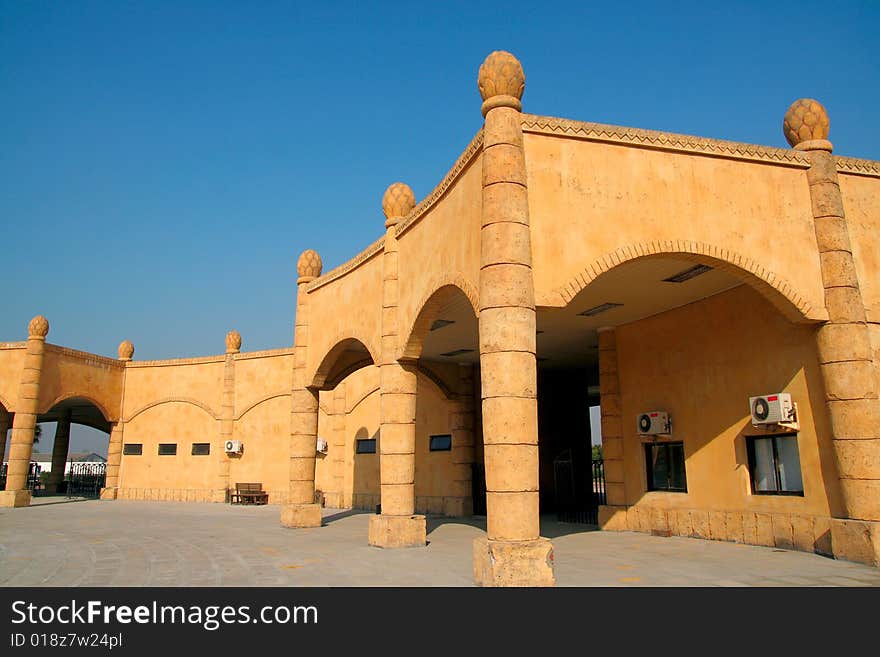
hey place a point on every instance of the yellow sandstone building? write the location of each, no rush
(720, 301)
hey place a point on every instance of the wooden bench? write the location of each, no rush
(249, 493)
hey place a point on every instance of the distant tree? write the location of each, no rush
(597, 452)
(38, 431)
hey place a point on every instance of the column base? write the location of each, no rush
(856, 540)
(15, 498)
(397, 531)
(612, 518)
(109, 493)
(513, 563)
(301, 515)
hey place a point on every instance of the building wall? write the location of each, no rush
(701, 363)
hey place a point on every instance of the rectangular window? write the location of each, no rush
(167, 449)
(365, 446)
(665, 465)
(441, 443)
(201, 449)
(132, 449)
(775, 465)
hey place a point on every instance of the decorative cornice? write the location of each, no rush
(343, 269)
(13, 345)
(857, 166)
(440, 190)
(84, 355)
(200, 360)
(420, 210)
(667, 141)
(266, 353)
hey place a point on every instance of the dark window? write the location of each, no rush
(775, 465)
(441, 443)
(201, 449)
(167, 449)
(132, 449)
(366, 446)
(665, 463)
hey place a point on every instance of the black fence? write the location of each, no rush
(85, 479)
(478, 482)
(34, 484)
(579, 489)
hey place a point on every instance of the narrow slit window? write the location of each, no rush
(133, 449)
(167, 449)
(365, 446)
(441, 443)
(201, 449)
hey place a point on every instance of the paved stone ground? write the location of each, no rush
(92, 543)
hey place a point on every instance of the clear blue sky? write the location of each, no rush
(162, 164)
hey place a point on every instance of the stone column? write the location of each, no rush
(22, 443)
(114, 460)
(512, 554)
(843, 345)
(612, 515)
(59, 453)
(227, 416)
(461, 422)
(117, 430)
(4, 428)
(301, 510)
(397, 525)
(336, 498)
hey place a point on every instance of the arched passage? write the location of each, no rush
(444, 339)
(347, 355)
(70, 457)
(693, 336)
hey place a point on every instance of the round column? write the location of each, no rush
(397, 525)
(513, 553)
(301, 510)
(461, 422)
(117, 430)
(59, 453)
(22, 443)
(227, 416)
(843, 344)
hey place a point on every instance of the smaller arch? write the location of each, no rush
(778, 291)
(362, 399)
(168, 400)
(261, 401)
(79, 395)
(442, 291)
(434, 378)
(348, 354)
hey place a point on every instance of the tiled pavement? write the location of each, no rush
(93, 543)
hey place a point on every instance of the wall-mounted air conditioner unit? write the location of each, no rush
(652, 423)
(234, 447)
(321, 447)
(776, 408)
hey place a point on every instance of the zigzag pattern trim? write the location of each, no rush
(857, 166)
(94, 359)
(422, 208)
(343, 269)
(663, 140)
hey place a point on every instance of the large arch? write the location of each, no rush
(449, 292)
(778, 291)
(76, 395)
(347, 355)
